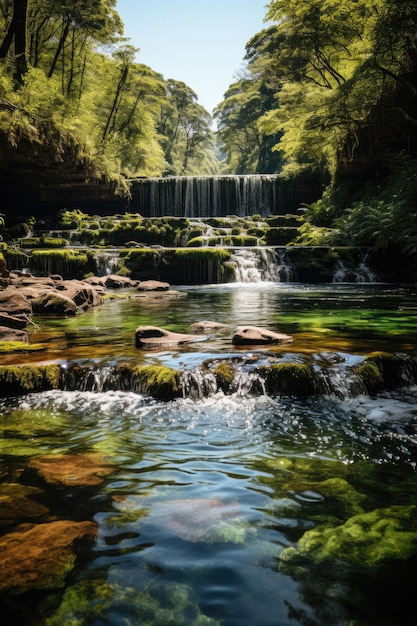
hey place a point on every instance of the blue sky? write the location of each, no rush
(199, 42)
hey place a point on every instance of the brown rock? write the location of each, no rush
(54, 303)
(41, 556)
(10, 321)
(83, 294)
(254, 335)
(71, 470)
(12, 334)
(12, 301)
(150, 336)
(17, 505)
(153, 285)
(113, 281)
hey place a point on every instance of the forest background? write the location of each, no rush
(328, 91)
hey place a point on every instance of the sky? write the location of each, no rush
(198, 42)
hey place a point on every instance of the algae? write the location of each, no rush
(289, 378)
(365, 540)
(159, 381)
(21, 379)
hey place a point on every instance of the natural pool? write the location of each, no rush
(233, 510)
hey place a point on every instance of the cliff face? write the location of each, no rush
(43, 176)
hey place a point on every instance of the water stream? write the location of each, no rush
(235, 509)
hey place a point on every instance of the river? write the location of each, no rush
(232, 510)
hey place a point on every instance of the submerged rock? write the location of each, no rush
(254, 335)
(41, 556)
(209, 327)
(71, 470)
(151, 336)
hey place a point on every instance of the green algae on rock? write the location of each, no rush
(159, 381)
(366, 540)
(289, 378)
(21, 379)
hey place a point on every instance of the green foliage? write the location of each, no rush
(75, 85)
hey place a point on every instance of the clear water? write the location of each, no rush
(207, 498)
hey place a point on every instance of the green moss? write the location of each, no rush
(142, 263)
(243, 241)
(67, 263)
(7, 347)
(195, 242)
(366, 540)
(44, 242)
(224, 374)
(289, 378)
(159, 381)
(97, 601)
(200, 266)
(284, 220)
(17, 380)
(280, 235)
(371, 376)
(394, 369)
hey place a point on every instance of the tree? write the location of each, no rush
(17, 31)
(185, 128)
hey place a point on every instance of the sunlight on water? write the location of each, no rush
(226, 510)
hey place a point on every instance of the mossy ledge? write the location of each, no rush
(294, 379)
(21, 379)
(384, 370)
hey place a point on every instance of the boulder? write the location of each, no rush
(153, 285)
(13, 334)
(151, 336)
(113, 281)
(255, 336)
(54, 303)
(81, 293)
(11, 321)
(71, 470)
(14, 302)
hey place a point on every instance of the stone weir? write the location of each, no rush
(214, 196)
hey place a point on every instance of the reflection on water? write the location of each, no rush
(206, 499)
(227, 510)
(344, 317)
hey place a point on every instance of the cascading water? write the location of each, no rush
(253, 265)
(204, 196)
(359, 273)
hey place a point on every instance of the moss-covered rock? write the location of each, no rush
(21, 379)
(67, 263)
(224, 374)
(289, 378)
(158, 381)
(280, 235)
(142, 263)
(395, 370)
(365, 540)
(200, 266)
(44, 242)
(371, 376)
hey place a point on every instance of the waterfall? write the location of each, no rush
(208, 196)
(349, 273)
(254, 265)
